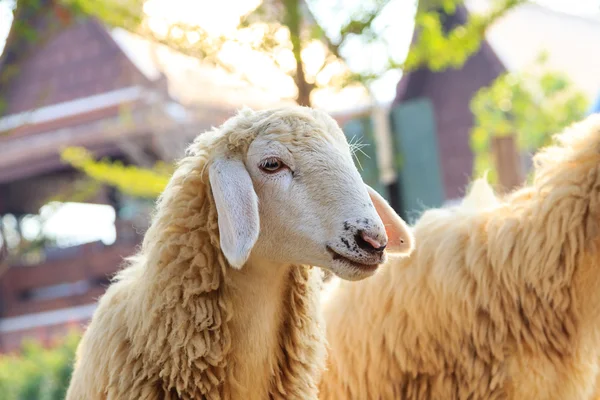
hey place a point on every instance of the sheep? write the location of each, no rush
(221, 301)
(499, 299)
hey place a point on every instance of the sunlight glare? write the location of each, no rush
(282, 35)
(216, 17)
(192, 37)
(332, 69)
(30, 227)
(160, 27)
(77, 223)
(253, 34)
(313, 57)
(285, 59)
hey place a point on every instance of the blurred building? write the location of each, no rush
(433, 122)
(81, 84)
(450, 92)
(513, 43)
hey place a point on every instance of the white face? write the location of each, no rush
(313, 207)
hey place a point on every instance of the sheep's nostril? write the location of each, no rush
(369, 243)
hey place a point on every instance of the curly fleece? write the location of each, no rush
(497, 302)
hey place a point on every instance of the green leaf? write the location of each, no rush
(531, 106)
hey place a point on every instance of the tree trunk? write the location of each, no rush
(293, 20)
(507, 162)
(304, 88)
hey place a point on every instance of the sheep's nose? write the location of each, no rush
(370, 242)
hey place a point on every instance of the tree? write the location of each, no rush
(288, 27)
(285, 29)
(438, 51)
(279, 29)
(525, 109)
(131, 180)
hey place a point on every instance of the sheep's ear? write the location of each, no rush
(237, 209)
(400, 238)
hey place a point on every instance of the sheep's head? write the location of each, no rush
(287, 190)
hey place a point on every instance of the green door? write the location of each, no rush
(416, 157)
(361, 131)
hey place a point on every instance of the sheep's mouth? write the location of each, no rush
(339, 257)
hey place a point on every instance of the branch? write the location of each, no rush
(138, 182)
(437, 51)
(358, 24)
(124, 13)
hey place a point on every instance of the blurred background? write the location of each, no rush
(98, 98)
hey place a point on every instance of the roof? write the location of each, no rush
(16, 45)
(82, 58)
(570, 41)
(412, 83)
(79, 61)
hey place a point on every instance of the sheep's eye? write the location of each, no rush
(271, 165)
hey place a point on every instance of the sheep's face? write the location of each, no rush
(297, 197)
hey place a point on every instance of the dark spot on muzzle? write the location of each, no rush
(346, 243)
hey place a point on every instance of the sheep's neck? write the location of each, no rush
(258, 294)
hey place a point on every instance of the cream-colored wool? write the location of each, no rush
(197, 315)
(499, 300)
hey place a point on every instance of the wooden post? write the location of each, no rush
(508, 162)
